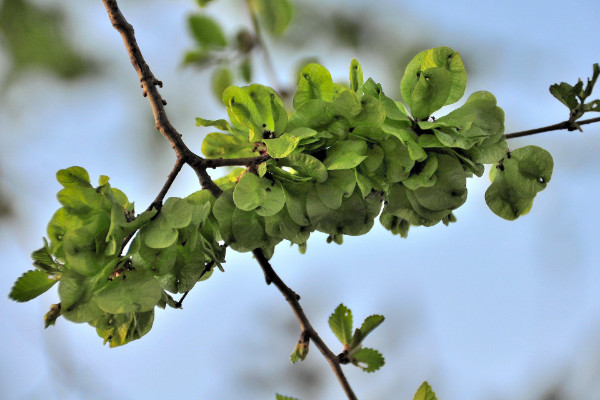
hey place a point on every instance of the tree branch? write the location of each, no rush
(307, 329)
(149, 85)
(229, 162)
(199, 164)
(556, 127)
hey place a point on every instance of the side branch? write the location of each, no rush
(149, 85)
(307, 329)
(571, 126)
(230, 162)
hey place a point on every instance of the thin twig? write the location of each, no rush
(230, 162)
(555, 127)
(307, 329)
(149, 85)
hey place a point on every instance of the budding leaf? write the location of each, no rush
(425, 392)
(369, 360)
(30, 285)
(340, 322)
(281, 397)
(566, 94)
(206, 31)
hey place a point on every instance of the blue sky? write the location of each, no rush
(483, 309)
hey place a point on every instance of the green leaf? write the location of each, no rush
(566, 94)
(249, 192)
(257, 109)
(345, 154)
(219, 123)
(370, 323)
(248, 232)
(275, 15)
(246, 69)
(340, 322)
(121, 329)
(74, 176)
(132, 291)
(450, 188)
(221, 79)
(281, 146)
(425, 392)
(30, 285)
(206, 31)
(162, 231)
(518, 178)
(203, 3)
(434, 78)
(300, 351)
(43, 260)
(306, 165)
(222, 145)
(369, 360)
(315, 84)
(281, 397)
(356, 77)
(275, 199)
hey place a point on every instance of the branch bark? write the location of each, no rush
(307, 329)
(556, 127)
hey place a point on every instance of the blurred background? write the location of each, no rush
(484, 309)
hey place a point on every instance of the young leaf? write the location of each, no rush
(370, 323)
(51, 316)
(223, 145)
(249, 192)
(434, 78)
(221, 79)
(345, 154)
(133, 291)
(315, 84)
(518, 178)
(281, 397)
(425, 392)
(206, 31)
(369, 360)
(356, 77)
(340, 322)
(300, 352)
(30, 285)
(275, 15)
(73, 176)
(566, 94)
(281, 146)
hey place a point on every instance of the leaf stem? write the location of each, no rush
(571, 126)
(307, 329)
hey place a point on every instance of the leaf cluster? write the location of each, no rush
(116, 293)
(575, 96)
(346, 151)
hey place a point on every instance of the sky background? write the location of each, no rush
(483, 309)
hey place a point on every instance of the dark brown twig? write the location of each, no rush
(556, 127)
(307, 329)
(230, 162)
(157, 203)
(149, 85)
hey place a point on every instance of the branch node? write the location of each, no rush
(164, 102)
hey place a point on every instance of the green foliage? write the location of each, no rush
(30, 285)
(281, 397)
(342, 157)
(172, 250)
(425, 392)
(517, 179)
(275, 15)
(340, 322)
(574, 97)
(33, 37)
